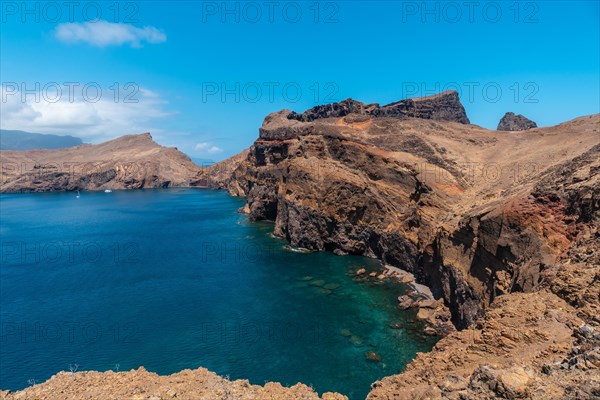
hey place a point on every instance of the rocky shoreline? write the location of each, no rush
(419, 195)
(495, 234)
(432, 312)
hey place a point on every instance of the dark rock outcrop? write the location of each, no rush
(512, 122)
(445, 106)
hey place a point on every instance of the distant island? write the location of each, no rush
(21, 140)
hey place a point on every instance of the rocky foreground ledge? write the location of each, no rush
(198, 384)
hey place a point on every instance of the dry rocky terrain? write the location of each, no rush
(502, 227)
(129, 162)
(198, 384)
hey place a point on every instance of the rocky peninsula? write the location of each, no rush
(128, 162)
(501, 227)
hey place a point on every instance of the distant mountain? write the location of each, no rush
(20, 140)
(128, 162)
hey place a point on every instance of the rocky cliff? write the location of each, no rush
(444, 106)
(479, 216)
(463, 208)
(501, 226)
(129, 162)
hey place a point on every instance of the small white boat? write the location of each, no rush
(107, 191)
(77, 194)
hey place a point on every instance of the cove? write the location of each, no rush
(175, 279)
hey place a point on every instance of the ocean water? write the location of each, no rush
(175, 279)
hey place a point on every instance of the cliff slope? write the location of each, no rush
(129, 162)
(472, 213)
(502, 226)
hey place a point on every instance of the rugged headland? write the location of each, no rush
(129, 162)
(502, 227)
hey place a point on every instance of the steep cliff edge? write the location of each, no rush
(479, 216)
(444, 106)
(463, 208)
(128, 162)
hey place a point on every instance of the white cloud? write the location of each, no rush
(102, 33)
(205, 147)
(91, 121)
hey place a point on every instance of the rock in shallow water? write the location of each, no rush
(372, 356)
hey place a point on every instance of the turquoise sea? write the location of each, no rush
(175, 279)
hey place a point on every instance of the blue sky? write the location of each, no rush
(205, 74)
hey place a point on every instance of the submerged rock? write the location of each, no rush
(332, 286)
(372, 356)
(396, 325)
(356, 340)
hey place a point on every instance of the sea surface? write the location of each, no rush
(174, 279)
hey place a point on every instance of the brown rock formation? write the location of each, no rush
(479, 216)
(437, 199)
(129, 162)
(198, 384)
(445, 106)
(522, 348)
(512, 122)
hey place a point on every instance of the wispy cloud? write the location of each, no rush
(206, 147)
(102, 34)
(98, 121)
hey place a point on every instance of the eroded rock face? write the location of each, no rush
(512, 122)
(526, 346)
(437, 200)
(445, 106)
(421, 195)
